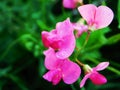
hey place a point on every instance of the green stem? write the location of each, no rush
(114, 70)
(109, 68)
(89, 1)
(73, 88)
(80, 63)
(87, 38)
(85, 43)
(103, 3)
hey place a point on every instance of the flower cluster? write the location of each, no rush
(61, 43)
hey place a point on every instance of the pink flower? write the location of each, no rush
(94, 76)
(96, 17)
(60, 69)
(80, 28)
(71, 4)
(61, 39)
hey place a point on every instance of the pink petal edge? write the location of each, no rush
(51, 61)
(88, 12)
(70, 72)
(97, 78)
(104, 16)
(101, 66)
(84, 80)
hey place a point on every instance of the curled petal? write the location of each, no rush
(97, 78)
(101, 66)
(50, 39)
(84, 79)
(70, 72)
(53, 76)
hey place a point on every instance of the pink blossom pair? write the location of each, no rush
(60, 43)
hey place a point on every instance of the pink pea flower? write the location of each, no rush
(71, 4)
(94, 76)
(96, 17)
(80, 28)
(59, 69)
(61, 39)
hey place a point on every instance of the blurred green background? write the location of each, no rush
(21, 49)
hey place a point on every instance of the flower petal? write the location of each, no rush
(101, 66)
(80, 29)
(53, 76)
(88, 12)
(48, 76)
(103, 17)
(44, 35)
(64, 28)
(84, 80)
(97, 78)
(69, 3)
(50, 39)
(67, 47)
(51, 61)
(65, 31)
(70, 72)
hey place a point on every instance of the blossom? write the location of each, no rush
(80, 28)
(60, 69)
(94, 76)
(60, 39)
(71, 4)
(96, 17)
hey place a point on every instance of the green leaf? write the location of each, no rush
(113, 39)
(42, 25)
(108, 86)
(97, 38)
(29, 45)
(42, 68)
(118, 13)
(4, 71)
(93, 54)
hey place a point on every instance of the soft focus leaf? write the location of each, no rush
(118, 8)
(113, 39)
(3, 72)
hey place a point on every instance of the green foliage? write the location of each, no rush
(118, 13)
(21, 48)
